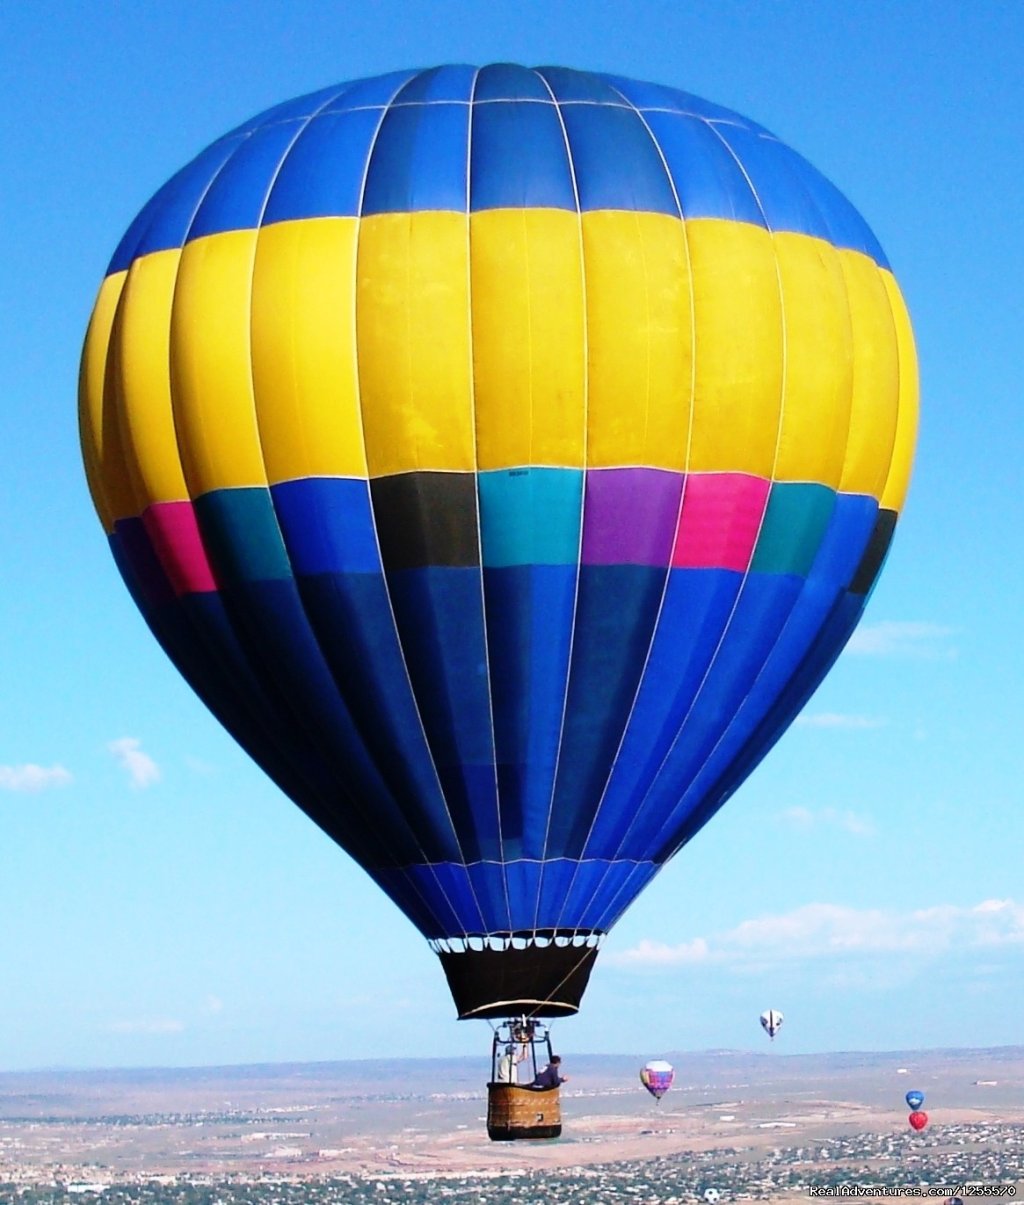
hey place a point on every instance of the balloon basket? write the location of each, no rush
(520, 1048)
(515, 1112)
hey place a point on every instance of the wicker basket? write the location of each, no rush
(516, 1112)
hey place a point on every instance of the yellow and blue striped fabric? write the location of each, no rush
(504, 456)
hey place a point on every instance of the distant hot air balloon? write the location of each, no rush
(918, 1119)
(771, 1022)
(504, 456)
(657, 1076)
(915, 1099)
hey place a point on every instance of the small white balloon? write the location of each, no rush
(771, 1021)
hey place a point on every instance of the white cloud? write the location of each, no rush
(142, 769)
(197, 766)
(847, 821)
(32, 778)
(831, 719)
(801, 817)
(851, 822)
(213, 1004)
(655, 953)
(153, 1025)
(907, 639)
(834, 931)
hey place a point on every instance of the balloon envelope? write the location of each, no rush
(915, 1099)
(918, 1119)
(771, 1021)
(504, 456)
(657, 1076)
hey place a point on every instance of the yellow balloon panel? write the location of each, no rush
(818, 361)
(142, 396)
(211, 364)
(100, 437)
(898, 481)
(876, 379)
(738, 348)
(529, 337)
(412, 323)
(638, 339)
(305, 376)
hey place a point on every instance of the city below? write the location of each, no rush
(736, 1125)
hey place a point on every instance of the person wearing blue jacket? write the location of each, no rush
(549, 1077)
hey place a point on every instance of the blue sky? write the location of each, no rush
(164, 904)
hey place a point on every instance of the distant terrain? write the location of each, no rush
(745, 1124)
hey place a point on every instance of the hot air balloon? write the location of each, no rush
(771, 1022)
(657, 1076)
(504, 456)
(914, 1099)
(918, 1119)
